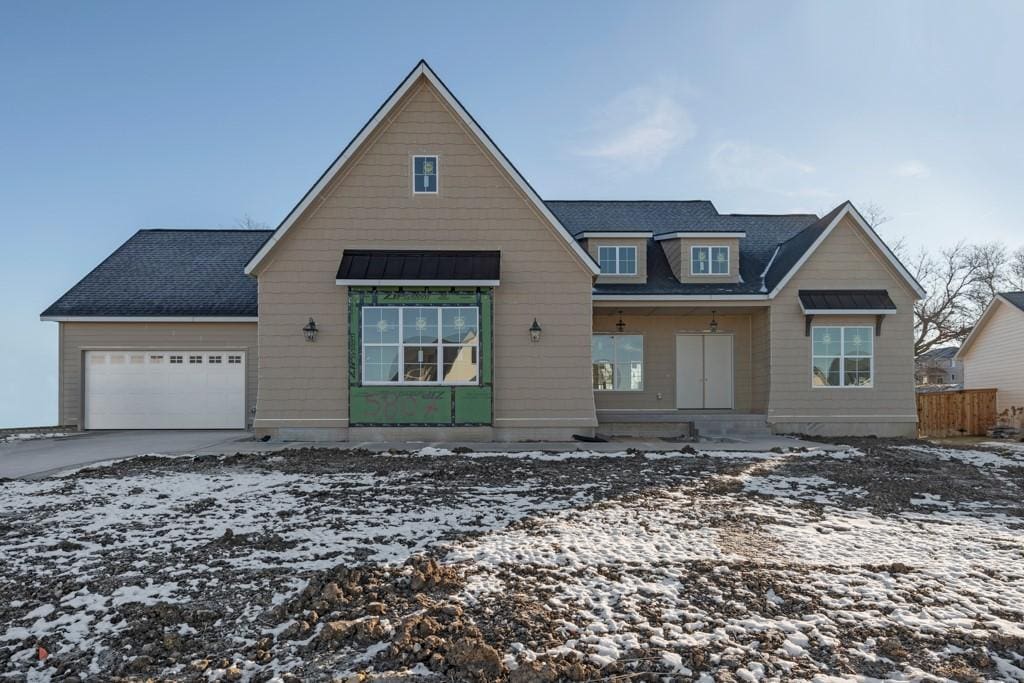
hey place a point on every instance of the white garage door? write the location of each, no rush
(164, 390)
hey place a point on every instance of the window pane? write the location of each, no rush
(857, 372)
(459, 325)
(380, 364)
(420, 363)
(627, 260)
(699, 257)
(460, 364)
(603, 375)
(606, 257)
(827, 341)
(425, 174)
(720, 260)
(857, 341)
(380, 325)
(826, 372)
(419, 325)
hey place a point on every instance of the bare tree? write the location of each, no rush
(1015, 271)
(960, 282)
(247, 222)
(875, 214)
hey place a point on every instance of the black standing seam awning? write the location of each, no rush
(873, 301)
(412, 267)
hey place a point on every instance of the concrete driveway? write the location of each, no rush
(40, 457)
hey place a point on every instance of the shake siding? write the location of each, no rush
(995, 358)
(659, 332)
(371, 206)
(845, 260)
(76, 338)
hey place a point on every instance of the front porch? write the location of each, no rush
(681, 371)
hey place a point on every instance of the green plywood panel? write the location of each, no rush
(400, 405)
(472, 405)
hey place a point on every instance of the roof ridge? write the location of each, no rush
(768, 215)
(634, 201)
(253, 230)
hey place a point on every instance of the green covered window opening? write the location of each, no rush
(420, 345)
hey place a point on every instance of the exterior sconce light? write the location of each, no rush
(310, 330)
(713, 325)
(535, 331)
(621, 325)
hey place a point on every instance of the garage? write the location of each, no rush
(164, 389)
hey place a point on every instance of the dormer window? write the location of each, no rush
(617, 260)
(709, 260)
(424, 174)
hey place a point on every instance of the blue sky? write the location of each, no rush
(116, 116)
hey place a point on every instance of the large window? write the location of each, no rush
(842, 356)
(617, 260)
(709, 260)
(421, 344)
(618, 362)
(424, 175)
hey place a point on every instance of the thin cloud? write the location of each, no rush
(912, 169)
(639, 129)
(740, 165)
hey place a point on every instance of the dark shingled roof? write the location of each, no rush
(764, 234)
(846, 300)
(942, 353)
(1015, 298)
(170, 273)
(374, 264)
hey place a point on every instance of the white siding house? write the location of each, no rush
(993, 354)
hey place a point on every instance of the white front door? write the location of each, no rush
(704, 371)
(164, 390)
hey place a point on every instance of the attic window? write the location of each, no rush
(424, 174)
(709, 260)
(617, 260)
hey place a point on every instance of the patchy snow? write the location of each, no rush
(30, 436)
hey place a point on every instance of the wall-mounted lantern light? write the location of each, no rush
(310, 330)
(535, 331)
(713, 325)
(621, 325)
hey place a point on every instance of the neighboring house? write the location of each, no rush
(993, 355)
(422, 289)
(939, 367)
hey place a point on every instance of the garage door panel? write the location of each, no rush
(164, 390)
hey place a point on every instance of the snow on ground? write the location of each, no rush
(30, 436)
(894, 563)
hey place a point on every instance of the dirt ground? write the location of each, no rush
(889, 559)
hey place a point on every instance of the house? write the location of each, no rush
(422, 289)
(993, 356)
(939, 367)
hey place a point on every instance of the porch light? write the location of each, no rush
(713, 325)
(621, 325)
(535, 331)
(310, 330)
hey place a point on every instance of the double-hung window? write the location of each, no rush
(617, 260)
(617, 362)
(420, 344)
(424, 174)
(842, 356)
(709, 260)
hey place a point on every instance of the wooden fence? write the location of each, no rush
(970, 412)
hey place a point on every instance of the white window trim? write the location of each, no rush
(709, 247)
(440, 345)
(643, 364)
(842, 357)
(618, 258)
(437, 171)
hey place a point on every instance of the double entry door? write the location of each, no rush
(704, 371)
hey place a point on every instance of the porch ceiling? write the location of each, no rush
(677, 310)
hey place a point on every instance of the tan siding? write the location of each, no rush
(678, 253)
(760, 365)
(76, 338)
(592, 245)
(371, 205)
(845, 260)
(659, 332)
(995, 358)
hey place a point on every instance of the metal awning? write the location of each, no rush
(420, 268)
(846, 302)
(874, 302)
